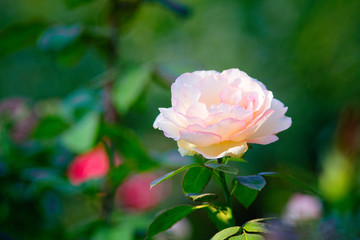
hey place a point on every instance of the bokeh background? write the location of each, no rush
(78, 73)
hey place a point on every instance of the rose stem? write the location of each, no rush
(227, 195)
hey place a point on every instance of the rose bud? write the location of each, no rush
(90, 165)
(135, 193)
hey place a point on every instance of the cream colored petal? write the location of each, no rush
(185, 148)
(199, 138)
(223, 149)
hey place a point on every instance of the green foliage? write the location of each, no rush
(203, 197)
(223, 168)
(50, 127)
(256, 182)
(254, 226)
(224, 234)
(245, 195)
(169, 217)
(196, 179)
(247, 236)
(219, 215)
(76, 3)
(173, 173)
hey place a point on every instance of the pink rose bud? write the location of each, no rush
(217, 114)
(301, 208)
(135, 193)
(90, 165)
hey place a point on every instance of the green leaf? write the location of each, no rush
(245, 195)
(20, 35)
(81, 137)
(169, 217)
(223, 168)
(247, 236)
(59, 37)
(204, 197)
(196, 179)
(255, 227)
(236, 159)
(227, 232)
(129, 86)
(171, 174)
(256, 182)
(50, 127)
(118, 174)
(219, 215)
(71, 4)
(291, 179)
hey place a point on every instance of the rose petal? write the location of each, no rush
(264, 140)
(170, 129)
(277, 122)
(223, 149)
(200, 138)
(225, 128)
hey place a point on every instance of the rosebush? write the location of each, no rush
(217, 114)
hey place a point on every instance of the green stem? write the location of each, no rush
(227, 195)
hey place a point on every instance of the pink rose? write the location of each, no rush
(90, 165)
(217, 114)
(135, 194)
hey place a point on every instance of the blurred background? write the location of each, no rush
(80, 86)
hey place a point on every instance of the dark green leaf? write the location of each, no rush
(171, 174)
(247, 236)
(169, 217)
(253, 181)
(223, 168)
(19, 36)
(59, 37)
(196, 179)
(255, 227)
(245, 195)
(227, 232)
(81, 137)
(50, 127)
(236, 159)
(219, 215)
(118, 174)
(129, 86)
(204, 197)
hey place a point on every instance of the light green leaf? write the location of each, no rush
(128, 87)
(255, 227)
(219, 215)
(204, 197)
(245, 195)
(81, 137)
(236, 159)
(171, 174)
(223, 168)
(256, 182)
(196, 179)
(247, 236)
(169, 217)
(227, 232)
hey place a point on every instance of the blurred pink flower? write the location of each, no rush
(90, 165)
(217, 114)
(302, 207)
(135, 193)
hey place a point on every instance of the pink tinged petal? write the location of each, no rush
(223, 149)
(170, 129)
(264, 140)
(231, 95)
(169, 114)
(249, 132)
(198, 110)
(277, 122)
(224, 128)
(199, 138)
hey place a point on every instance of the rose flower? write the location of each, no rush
(218, 114)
